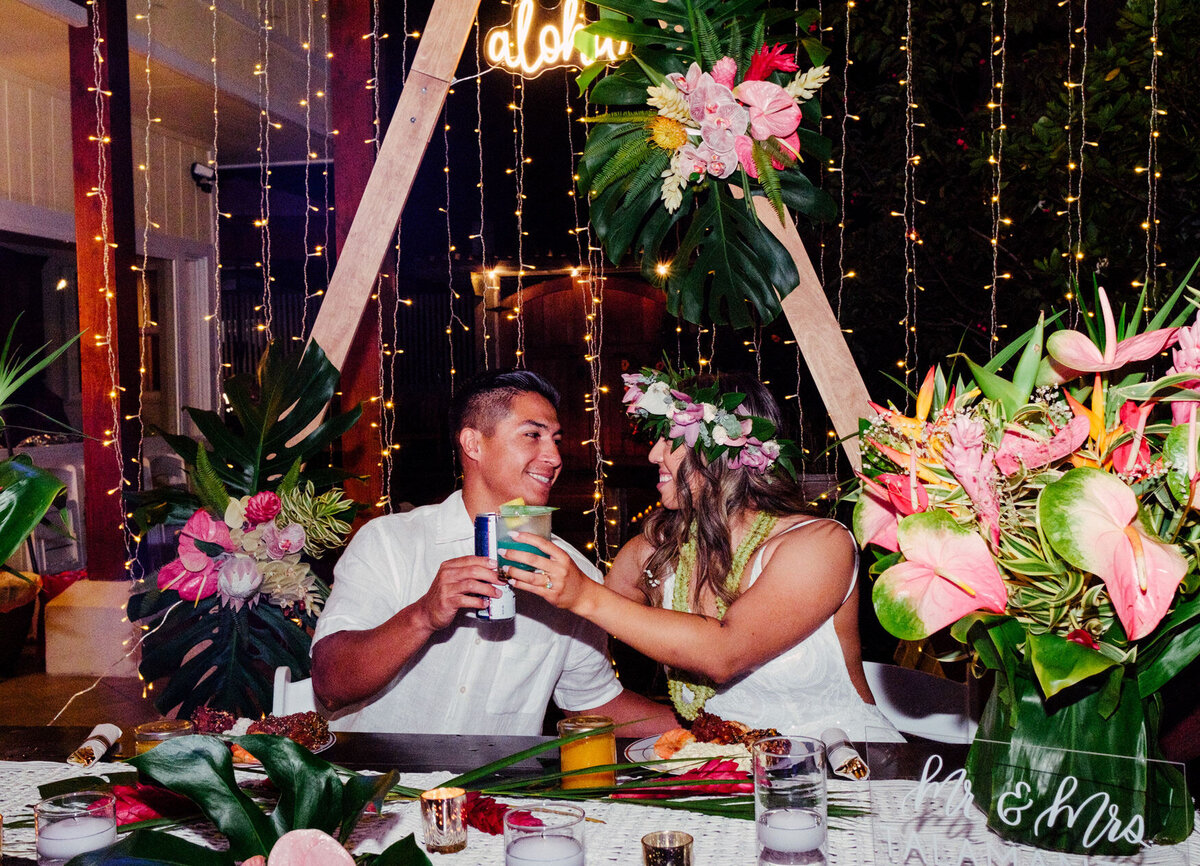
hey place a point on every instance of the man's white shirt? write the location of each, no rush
(475, 676)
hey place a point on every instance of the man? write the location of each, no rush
(394, 645)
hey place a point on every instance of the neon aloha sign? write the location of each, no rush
(519, 49)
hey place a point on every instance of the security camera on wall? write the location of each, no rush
(204, 176)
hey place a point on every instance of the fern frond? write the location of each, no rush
(289, 480)
(778, 151)
(757, 37)
(649, 172)
(768, 179)
(209, 487)
(628, 157)
(734, 46)
(710, 43)
(621, 117)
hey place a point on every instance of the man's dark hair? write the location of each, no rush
(487, 397)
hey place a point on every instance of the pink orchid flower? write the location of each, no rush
(772, 111)
(1090, 517)
(282, 542)
(686, 422)
(693, 161)
(708, 96)
(723, 163)
(1072, 353)
(685, 84)
(948, 571)
(723, 126)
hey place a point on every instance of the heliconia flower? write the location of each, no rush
(1019, 447)
(261, 507)
(947, 573)
(1073, 353)
(724, 72)
(283, 542)
(772, 111)
(708, 96)
(720, 128)
(767, 60)
(201, 527)
(1091, 519)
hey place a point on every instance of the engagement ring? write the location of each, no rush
(549, 583)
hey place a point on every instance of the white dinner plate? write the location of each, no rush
(642, 751)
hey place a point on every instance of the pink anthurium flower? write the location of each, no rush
(201, 527)
(947, 573)
(885, 499)
(1073, 353)
(1091, 519)
(1019, 447)
(772, 111)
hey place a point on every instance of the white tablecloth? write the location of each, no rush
(883, 838)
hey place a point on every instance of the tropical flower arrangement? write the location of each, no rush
(1051, 520)
(241, 597)
(704, 112)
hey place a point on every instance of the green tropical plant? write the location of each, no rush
(708, 249)
(26, 492)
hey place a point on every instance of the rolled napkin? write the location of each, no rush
(843, 757)
(99, 741)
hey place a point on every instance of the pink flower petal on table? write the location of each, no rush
(948, 572)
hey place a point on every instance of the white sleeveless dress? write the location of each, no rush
(803, 691)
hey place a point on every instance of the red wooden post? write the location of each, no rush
(353, 113)
(107, 285)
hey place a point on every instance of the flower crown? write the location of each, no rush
(713, 422)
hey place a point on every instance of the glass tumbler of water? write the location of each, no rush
(549, 835)
(790, 801)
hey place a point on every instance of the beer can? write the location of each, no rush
(504, 607)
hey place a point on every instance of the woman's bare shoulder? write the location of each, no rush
(626, 572)
(802, 538)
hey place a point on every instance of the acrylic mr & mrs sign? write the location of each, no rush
(934, 822)
(537, 39)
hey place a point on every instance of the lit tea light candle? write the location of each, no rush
(442, 818)
(791, 831)
(62, 840)
(544, 851)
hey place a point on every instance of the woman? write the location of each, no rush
(749, 601)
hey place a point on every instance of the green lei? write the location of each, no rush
(684, 569)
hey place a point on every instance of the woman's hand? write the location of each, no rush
(555, 577)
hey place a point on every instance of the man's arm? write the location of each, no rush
(352, 666)
(648, 717)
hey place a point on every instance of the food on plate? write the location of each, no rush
(672, 741)
(308, 729)
(710, 730)
(704, 752)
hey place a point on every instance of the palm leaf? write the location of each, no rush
(208, 485)
(632, 154)
(621, 117)
(710, 45)
(769, 178)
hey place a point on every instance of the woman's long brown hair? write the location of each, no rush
(722, 495)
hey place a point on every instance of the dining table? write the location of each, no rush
(889, 831)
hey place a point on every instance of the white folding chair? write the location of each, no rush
(920, 703)
(291, 697)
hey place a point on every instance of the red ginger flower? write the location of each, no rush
(721, 776)
(140, 802)
(486, 815)
(767, 60)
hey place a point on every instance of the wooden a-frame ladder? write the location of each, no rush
(441, 47)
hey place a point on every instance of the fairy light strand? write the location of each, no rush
(841, 169)
(264, 163)
(214, 162)
(911, 239)
(482, 236)
(1152, 169)
(383, 431)
(308, 157)
(519, 156)
(997, 65)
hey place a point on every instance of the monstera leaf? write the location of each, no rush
(26, 494)
(239, 650)
(713, 255)
(254, 450)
